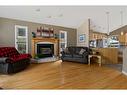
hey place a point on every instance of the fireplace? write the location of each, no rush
(45, 50)
(41, 46)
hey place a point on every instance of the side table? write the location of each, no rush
(98, 57)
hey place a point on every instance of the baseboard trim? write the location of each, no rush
(125, 73)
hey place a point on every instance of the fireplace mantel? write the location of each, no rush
(51, 40)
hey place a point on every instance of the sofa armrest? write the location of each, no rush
(85, 54)
(62, 53)
(4, 60)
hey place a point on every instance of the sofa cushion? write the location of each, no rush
(8, 51)
(19, 57)
(77, 50)
(71, 50)
(77, 56)
(67, 55)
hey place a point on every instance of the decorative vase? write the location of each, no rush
(33, 34)
(56, 36)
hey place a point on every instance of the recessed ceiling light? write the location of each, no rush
(38, 10)
(60, 15)
(121, 12)
(107, 12)
(49, 16)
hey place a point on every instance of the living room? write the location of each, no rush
(63, 47)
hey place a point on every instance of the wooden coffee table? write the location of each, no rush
(97, 56)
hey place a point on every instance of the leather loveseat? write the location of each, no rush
(11, 61)
(75, 54)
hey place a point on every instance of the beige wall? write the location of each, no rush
(83, 29)
(7, 32)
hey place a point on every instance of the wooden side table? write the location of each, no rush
(98, 57)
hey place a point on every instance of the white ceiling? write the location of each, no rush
(68, 16)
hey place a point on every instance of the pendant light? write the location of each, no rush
(108, 28)
(121, 14)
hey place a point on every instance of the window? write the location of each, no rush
(62, 45)
(63, 40)
(62, 35)
(21, 32)
(21, 38)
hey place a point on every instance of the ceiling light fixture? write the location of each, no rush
(49, 16)
(108, 28)
(121, 13)
(38, 10)
(60, 15)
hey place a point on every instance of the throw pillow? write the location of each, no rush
(82, 51)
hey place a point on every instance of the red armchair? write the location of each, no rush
(11, 61)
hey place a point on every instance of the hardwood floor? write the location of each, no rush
(65, 75)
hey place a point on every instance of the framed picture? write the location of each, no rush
(82, 38)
